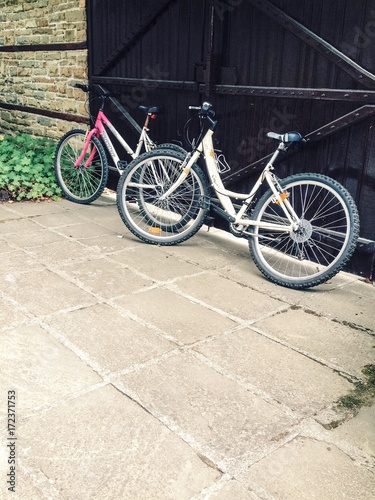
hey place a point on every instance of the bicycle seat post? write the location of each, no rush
(147, 120)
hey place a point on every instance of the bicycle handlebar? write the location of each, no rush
(206, 111)
(97, 89)
(85, 88)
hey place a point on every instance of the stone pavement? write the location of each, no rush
(145, 372)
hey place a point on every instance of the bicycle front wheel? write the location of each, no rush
(324, 240)
(153, 218)
(83, 183)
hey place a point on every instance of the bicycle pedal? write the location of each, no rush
(209, 221)
(121, 165)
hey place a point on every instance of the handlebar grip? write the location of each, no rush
(81, 86)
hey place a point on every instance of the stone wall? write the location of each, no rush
(41, 79)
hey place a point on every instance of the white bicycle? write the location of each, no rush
(301, 231)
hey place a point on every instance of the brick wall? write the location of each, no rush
(41, 79)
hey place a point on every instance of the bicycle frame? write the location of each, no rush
(225, 196)
(99, 130)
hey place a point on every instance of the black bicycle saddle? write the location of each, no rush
(151, 110)
(288, 137)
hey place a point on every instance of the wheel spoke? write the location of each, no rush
(82, 184)
(151, 217)
(324, 240)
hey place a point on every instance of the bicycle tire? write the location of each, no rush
(86, 183)
(162, 222)
(324, 242)
(172, 147)
(149, 216)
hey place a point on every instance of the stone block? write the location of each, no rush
(40, 369)
(321, 338)
(215, 414)
(185, 323)
(141, 458)
(276, 370)
(101, 330)
(309, 469)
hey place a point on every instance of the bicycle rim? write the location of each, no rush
(85, 183)
(157, 220)
(324, 241)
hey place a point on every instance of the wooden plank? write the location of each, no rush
(357, 72)
(316, 135)
(148, 21)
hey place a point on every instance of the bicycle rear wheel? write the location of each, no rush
(324, 241)
(174, 148)
(158, 221)
(82, 184)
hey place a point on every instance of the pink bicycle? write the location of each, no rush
(81, 162)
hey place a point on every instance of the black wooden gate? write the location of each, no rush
(276, 65)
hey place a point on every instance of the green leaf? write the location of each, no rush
(26, 167)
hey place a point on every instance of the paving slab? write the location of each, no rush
(294, 380)
(108, 340)
(108, 216)
(4, 246)
(106, 278)
(340, 346)
(84, 230)
(31, 208)
(360, 431)
(40, 369)
(10, 313)
(208, 253)
(229, 296)
(109, 244)
(221, 418)
(18, 262)
(60, 219)
(36, 237)
(155, 262)
(232, 490)
(31, 484)
(7, 214)
(309, 469)
(357, 310)
(18, 227)
(185, 322)
(63, 252)
(108, 447)
(44, 292)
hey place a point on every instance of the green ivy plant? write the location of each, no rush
(26, 168)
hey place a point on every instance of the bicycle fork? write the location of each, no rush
(185, 170)
(88, 137)
(281, 199)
